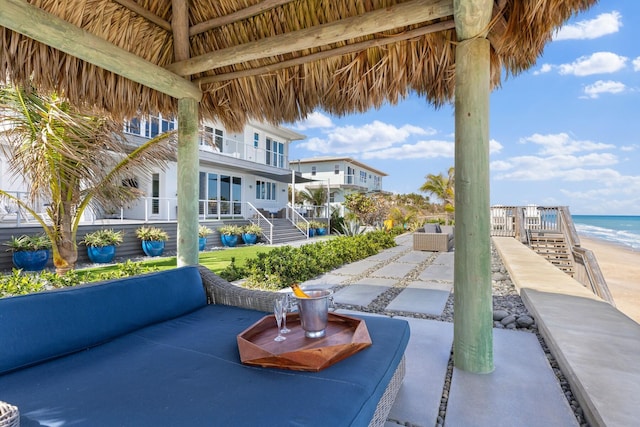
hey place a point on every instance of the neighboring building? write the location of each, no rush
(342, 175)
(235, 168)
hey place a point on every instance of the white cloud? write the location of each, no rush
(601, 25)
(373, 136)
(562, 144)
(558, 159)
(636, 64)
(603, 86)
(313, 121)
(421, 150)
(632, 147)
(544, 69)
(597, 63)
(495, 146)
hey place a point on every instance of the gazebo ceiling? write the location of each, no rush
(273, 60)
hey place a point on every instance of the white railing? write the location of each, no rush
(296, 219)
(241, 150)
(256, 217)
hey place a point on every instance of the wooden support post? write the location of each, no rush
(473, 305)
(187, 182)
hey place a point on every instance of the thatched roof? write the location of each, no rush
(275, 60)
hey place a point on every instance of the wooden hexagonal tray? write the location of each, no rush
(345, 335)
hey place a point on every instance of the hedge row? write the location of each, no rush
(284, 265)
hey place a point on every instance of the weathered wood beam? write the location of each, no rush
(343, 50)
(498, 25)
(33, 22)
(472, 302)
(393, 17)
(188, 160)
(239, 15)
(134, 7)
(180, 28)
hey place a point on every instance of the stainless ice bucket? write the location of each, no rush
(314, 312)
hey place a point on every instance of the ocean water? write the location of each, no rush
(621, 230)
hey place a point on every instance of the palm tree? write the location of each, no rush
(317, 197)
(442, 188)
(70, 158)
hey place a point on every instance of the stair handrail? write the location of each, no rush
(295, 218)
(585, 257)
(256, 217)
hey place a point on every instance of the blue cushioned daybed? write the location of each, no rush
(161, 350)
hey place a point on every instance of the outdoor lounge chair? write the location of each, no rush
(433, 237)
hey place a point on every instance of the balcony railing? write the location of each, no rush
(241, 150)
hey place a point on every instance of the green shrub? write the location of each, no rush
(285, 265)
(20, 283)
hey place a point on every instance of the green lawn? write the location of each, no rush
(213, 260)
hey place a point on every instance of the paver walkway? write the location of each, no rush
(522, 390)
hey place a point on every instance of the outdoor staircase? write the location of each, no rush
(553, 246)
(284, 231)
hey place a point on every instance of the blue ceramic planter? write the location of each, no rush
(229, 240)
(153, 247)
(321, 231)
(202, 242)
(101, 254)
(312, 232)
(31, 260)
(249, 238)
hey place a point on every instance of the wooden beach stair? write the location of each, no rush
(553, 246)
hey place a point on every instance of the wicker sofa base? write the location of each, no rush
(435, 242)
(386, 402)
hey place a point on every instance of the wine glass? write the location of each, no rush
(285, 308)
(278, 310)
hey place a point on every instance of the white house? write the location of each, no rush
(235, 168)
(341, 175)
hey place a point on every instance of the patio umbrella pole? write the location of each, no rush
(473, 312)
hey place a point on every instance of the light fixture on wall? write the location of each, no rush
(250, 186)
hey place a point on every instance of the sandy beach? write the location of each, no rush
(621, 269)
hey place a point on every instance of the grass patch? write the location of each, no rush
(216, 261)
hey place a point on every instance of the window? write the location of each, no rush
(351, 172)
(211, 137)
(256, 139)
(336, 169)
(265, 190)
(313, 171)
(219, 138)
(132, 126)
(275, 153)
(155, 193)
(363, 176)
(155, 125)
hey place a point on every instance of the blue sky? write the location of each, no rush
(565, 132)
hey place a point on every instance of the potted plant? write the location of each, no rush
(203, 232)
(250, 233)
(321, 228)
(153, 240)
(101, 244)
(229, 234)
(30, 253)
(311, 229)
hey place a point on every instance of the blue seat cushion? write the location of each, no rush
(42, 326)
(187, 371)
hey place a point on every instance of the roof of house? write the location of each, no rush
(329, 159)
(268, 60)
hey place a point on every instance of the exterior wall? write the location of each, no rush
(235, 155)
